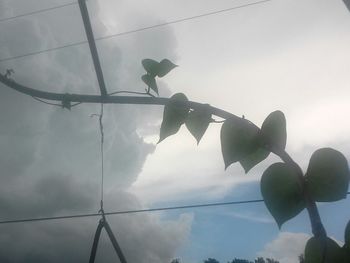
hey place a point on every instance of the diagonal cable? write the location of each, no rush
(136, 211)
(136, 30)
(36, 12)
(132, 211)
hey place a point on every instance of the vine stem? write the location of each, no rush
(316, 224)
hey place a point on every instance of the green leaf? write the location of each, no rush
(150, 82)
(327, 176)
(239, 138)
(151, 66)
(346, 253)
(164, 67)
(282, 192)
(174, 116)
(155, 68)
(253, 159)
(197, 123)
(273, 130)
(314, 251)
(347, 235)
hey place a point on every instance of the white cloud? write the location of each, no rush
(320, 123)
(179, 170)
(50, 157)
(261, 66)
(286, 247)
(251, 216)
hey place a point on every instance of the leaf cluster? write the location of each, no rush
(155, 69)
(284, 188)
(177, 112)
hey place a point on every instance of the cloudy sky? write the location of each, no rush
(284, 54)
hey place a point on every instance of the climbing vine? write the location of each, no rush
(286, 190)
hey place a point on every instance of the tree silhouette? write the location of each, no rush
(237, 260)
(211, 260)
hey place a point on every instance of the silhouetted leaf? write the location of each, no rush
(273, 129)
(346, 253)
(151, 66)
(164, 67)
(314, 251)
(282, 192)
(174, 116)
(327, 176)
(347, 235)
(238, 140)
(197, 123)
(150, 82)
(155, 68)
(253, 159)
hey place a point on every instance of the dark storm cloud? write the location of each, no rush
(50, 157)
(142, 238)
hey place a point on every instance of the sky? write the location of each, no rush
(281, 55)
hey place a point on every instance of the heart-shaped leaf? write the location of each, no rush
(314, 251)
(347, 235)
(327, 176)
(164, 67)
(346, 254)
(282, 192)
(239, 138)
(150, 82)
(197, 123)
(174, 116)
(273, 130)
(253, 159)
(151, 66)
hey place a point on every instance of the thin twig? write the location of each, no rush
(128, 92)
(48, 103)
(76, 104)
(216, 121)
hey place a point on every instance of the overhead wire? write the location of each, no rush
(36, 12)
(131, 211)
(183, 19)
(135, 211)
(137, 30)
(46, 102)
(55, 104)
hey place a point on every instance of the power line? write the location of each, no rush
(130, 211)
(44, 51)
(134, 211)
(37, 12)
(183, 19)
(136, 30)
